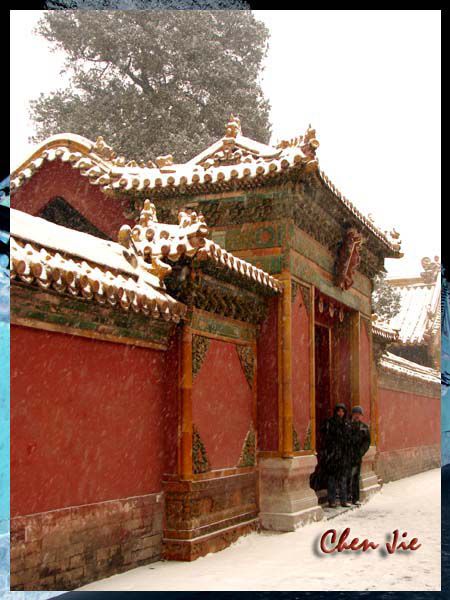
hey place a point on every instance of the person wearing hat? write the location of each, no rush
(359, 444)
(335, 434)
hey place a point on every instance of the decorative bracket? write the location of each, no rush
(348, 258)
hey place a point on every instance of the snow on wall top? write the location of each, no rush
(402, 366)
(79, 264)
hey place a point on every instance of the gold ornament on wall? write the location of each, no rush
(247, 358)
(200, 345)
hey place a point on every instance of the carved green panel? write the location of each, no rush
(259, 236)
(209, 324)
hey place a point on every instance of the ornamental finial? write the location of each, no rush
(431, 269)
(233, 127)
(103, 150)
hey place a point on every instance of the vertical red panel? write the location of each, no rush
(222, 404)
(267, 409)
(300, 367)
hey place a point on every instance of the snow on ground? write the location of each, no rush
(291, 561)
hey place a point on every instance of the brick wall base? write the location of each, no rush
(395, 464)
(64, 549)
(207, 515)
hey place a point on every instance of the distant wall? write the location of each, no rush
(408, 425)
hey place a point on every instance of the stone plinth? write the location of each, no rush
(368, 483)
(286, 498)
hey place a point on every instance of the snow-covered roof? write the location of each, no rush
(402, 366)
(383, 331)
(233, 162)
(76, 263)
(420, 307)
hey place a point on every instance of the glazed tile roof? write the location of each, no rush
(420, 307)
(233, 162)
(75, 263)
(401, 366)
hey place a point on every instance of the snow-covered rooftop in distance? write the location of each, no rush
(402, 366)
(420, 307)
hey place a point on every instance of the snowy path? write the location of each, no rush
(290, 561)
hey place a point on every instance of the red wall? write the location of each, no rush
(300, 368)
(222, 403)
(87, 420)
(406, 420)
(60, 179)
(267, 410)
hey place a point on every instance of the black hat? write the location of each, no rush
(338, 406)
(357, 409)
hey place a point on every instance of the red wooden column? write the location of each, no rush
(285, 342)
(312, 367)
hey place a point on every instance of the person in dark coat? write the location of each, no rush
(336, 454)
(359, 444)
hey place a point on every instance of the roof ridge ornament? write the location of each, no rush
(149, 242)
(102, 149)
(431, 269)
(233, 127)
(308, 142)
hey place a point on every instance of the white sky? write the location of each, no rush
(368, 81)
